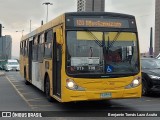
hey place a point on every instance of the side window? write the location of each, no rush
(26, 48)
(21, 48)
(48, 44)
(35, 49)
(40, 47)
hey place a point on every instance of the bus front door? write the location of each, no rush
(57, 61)
(30, 60)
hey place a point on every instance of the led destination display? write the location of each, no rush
(101, 22)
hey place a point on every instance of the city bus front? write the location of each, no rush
(102, 59)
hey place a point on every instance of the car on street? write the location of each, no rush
(12, 65)
(150, 75)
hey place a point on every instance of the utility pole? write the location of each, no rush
(151, 43)
(47, 3)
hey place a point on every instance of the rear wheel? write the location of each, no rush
(27, 83)
(145, 87)
(47, 90)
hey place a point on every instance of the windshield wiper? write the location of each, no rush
(101, 44)
(95, 39)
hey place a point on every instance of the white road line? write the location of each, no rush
(37, 99)
(19, 92)
(41, 105)
(27, 93)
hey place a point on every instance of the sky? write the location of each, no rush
(15, 15)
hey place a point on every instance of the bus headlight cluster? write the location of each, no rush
(136, 82)
(70, 84)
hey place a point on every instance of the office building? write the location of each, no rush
(157, 28)
(91, 5)
(5, 46)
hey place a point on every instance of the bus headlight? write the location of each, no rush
(136, 82)
(70, 84)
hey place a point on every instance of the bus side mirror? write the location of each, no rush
(59, 36)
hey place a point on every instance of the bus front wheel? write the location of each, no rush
(47, 89)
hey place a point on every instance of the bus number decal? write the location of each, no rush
(80, 68)
(80, 23)
(92, 68)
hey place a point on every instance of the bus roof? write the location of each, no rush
(60, 19)
(99, 14)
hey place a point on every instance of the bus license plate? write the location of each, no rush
(106, 95)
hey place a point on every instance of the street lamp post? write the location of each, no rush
(47, 3)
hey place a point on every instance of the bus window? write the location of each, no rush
(41, 47)
(35, 49)
(48, 44)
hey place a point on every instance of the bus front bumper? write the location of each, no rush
(101, 95)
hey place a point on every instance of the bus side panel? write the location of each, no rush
(21, 66)
(35, 75)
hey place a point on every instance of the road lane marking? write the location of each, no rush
(41, 105)
(30, 100)
(27, 92)
(19, 92)
(11, 75)
(37, 99)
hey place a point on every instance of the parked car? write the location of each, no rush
(12, 65)
(150, 75)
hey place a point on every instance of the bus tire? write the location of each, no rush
(27, 83)
(47, 90)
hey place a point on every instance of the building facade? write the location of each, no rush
(91, 5)
(5, 46)
(157, 28)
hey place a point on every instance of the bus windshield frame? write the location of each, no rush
(106, 44)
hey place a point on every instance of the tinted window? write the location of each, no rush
(48, 44)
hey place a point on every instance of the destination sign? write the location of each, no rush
(101, 22)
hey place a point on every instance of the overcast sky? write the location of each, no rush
(15, 15)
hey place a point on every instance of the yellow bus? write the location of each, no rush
(83, 56)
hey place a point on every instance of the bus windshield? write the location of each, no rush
(91, 52)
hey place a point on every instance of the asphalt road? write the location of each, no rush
(16, 96)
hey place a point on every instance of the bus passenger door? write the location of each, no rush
(30, 59)
(57, 61)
